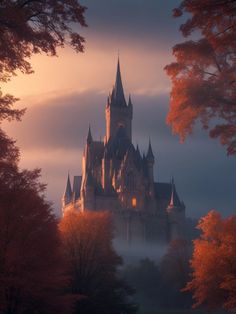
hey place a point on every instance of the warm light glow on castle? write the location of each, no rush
(115, 177)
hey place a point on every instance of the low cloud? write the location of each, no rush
(53, 133)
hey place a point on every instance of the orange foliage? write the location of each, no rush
(92, 263)
(214, 263)
(204, 73)
(87, 239)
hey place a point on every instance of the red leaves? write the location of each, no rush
(213, 263)
(30, 262)
(204, 73)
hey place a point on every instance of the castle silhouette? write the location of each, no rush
(115, 177)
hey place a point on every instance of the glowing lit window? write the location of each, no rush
(134, 202)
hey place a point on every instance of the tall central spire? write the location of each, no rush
(117, 96)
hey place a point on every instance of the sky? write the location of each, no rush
(68, 92)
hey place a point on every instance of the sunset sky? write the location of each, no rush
(68, 92)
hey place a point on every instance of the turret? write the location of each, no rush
(86, 158)
(150, 156)
(67, 196)
(118, 113)
(88, 192)
(176, 214)
(174, 203)
(130, 105)
(150, 163)
(89, 136)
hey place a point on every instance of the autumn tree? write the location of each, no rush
(30, 260)
(204, 73)
(213, 263)
(92, 264)
(29, 27)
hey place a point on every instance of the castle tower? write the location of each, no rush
(118, 113)
(86, 158)
(150, 159)
(67, 196)
(176, 213)
(88, 197)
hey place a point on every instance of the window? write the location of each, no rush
(121, 125)
(134, 202)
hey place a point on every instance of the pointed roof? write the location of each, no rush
(76, 187)
(129, 102)
(117, 96)
(138, 151)
(68, 191)
(150, 155)
(89, 136)
(174, 199)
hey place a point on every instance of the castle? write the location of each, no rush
(115, 177)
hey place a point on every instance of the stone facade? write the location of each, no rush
(115, 177)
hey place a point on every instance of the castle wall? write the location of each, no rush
(106, 203)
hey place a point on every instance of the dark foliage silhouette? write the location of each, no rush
(29, 27)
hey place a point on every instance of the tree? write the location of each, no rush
(30, 260)
(204, 73)
(93, 263)
(30, 27)
(174, 265)
(174, 270)
(214, 263)
(146, 279)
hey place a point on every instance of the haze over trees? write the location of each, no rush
(213, 264)
(158, 284)
(204, 73)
